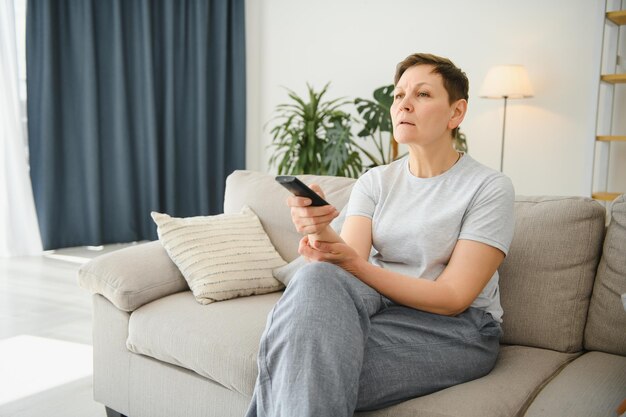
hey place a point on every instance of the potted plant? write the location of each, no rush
(312, 136)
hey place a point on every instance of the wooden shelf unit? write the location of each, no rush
(611, 138)
(618, 17)
(605, 196)
(613, 78)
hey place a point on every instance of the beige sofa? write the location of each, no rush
(158, 352)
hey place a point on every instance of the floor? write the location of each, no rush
(45, 336)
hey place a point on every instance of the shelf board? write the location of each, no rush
(614, 78)
(618, 17)
(604, 196)
(611, 138)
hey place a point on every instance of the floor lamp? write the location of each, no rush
(505, 82)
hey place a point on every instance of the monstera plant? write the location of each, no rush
(312, 136)
(377, 127)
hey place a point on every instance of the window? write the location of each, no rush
(20, 36)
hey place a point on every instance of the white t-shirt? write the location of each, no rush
(416, 222)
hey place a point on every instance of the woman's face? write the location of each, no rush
(421, 113)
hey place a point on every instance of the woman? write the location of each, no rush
(360, 332)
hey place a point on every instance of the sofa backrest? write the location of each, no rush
(606, 323)
(268, 200)
(545, 281)
(547, 277)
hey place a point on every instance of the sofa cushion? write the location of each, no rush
(267, 199)
(221, 340)
(497, 394)
(223, 256)
(133, 276)
(606, 324)
(592, 385)
(547, 277)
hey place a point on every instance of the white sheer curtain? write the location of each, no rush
(19, 231)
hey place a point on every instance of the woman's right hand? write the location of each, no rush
(311, 220)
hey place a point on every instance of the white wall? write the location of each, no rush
(357, 43)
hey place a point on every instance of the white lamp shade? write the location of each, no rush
(509, 81)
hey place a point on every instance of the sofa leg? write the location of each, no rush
(113, 413)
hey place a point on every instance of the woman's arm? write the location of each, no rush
(313, 221)
(471, 266)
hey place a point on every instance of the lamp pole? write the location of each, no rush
(503, 128)
(505, 82)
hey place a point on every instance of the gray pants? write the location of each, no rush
(333, 345)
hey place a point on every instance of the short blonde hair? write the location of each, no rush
(454, 79)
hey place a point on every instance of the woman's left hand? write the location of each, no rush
(339, 254)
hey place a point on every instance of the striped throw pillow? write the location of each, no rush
(223, 256)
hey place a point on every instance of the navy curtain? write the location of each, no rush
(133, 106)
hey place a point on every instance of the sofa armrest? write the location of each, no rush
(134, 276)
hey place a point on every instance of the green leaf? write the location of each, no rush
(313, 135)
(384, 96)
(375, 118)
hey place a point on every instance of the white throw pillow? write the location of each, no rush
(223, 256)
